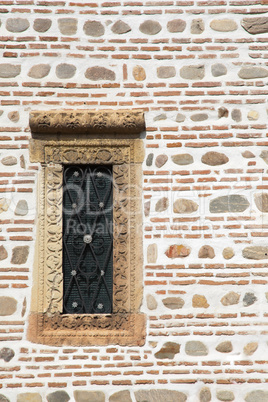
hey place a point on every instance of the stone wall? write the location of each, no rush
(198, 70)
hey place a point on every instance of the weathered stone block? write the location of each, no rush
(64, 70)
(228, 253)
(150, 27)
(249, 73)
(67, 26)
(149, 159)
(42, 24)
(182, 159)
(173, 303)
(248, 154)
(29, 397)
(257, 396)
(139, 73)
(197, 26)
(205, 395)
(4, 204)
(176, 25)
(159, 395)
(193, 72)
(199, 301)
(19, 254)
(249, 299)
(14, 116)
(250, 348)
(166, 72)
(120, 396)
(225, 395)
(184, 206)
(9, 160)
(223, 112)
(88, 396)
(8, 70)
(97, 73)
(255, 252)
(196, 348)
(199, 117)
(152, 253)
(218, 70)
(21, 208)
(255, 25)
(3, 398)
(120, 27)
(93, 28)
(39, 71)
(253, 115)
(178, 251)
(151, 302)
(160, 160)
(3, 253)
(206, 252)
(58, 396)
(225, 347)
(261, 201)
(230, 299)
(223, 25)
(168, 351)
(147, 207)
(7, 354)
(17, 24)
(8, 305)
(236, 115)
(213, 158)
(162, 204)
(180, 118)
(229, 203)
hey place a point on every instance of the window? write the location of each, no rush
(89, 214)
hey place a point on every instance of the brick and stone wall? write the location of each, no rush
(199, 71)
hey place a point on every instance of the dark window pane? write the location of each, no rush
(87, 239)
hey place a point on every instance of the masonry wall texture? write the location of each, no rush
(198, 69)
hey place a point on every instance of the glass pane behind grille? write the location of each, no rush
(87, 239)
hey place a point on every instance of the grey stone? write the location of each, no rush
(228, 203)
(206, 252)
(151, 302)
(162, 204)
(176, 25)
(42, 24)
(39, 71)
(223, 112)
(19, 254)
(223, 395)
(261, 201)
(22, 162)
(193, 72)
(255, 25)
(3, 253)
(14, 116)
(7, 354)
(218, 70)
(149, 159)
(9, 160)
(97, 73)
(180, 118)
(3, 398)
(205, 395)
(93, 28)
(59, 396)
(195, 348)
(29, 397)
(4, 204)
(161, 116)
(255, 252)
(120, 396)
(178, 251)
(160, 160)
(225, 347)
(228, 253)
(257, 396)
(17, 24)
(147, 207)
(120, 27)
(199, 117)
(173, 303)
(159, 395)
(230, 298)
(67, 26)
(139, 73)
(248, 73)
(166, 72)
(250, 348)
(21, 208)
(248, 154)
(152, 253)
(197, 26)
(24, 306)
(264, 156)
(223, 25)
(168, 350)
(184, 206)
(182, 159)
(89, 396)
(213, 158)
(249, 299)
(150, 27)
(8, 70)
(65, 70)
(236, 115)
(8, 305)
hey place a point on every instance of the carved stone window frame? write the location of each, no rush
(88, 137)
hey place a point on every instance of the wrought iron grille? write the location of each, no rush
(87, 239)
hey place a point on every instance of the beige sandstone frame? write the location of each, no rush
(102, 137)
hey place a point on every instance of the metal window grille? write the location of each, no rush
(87, 239)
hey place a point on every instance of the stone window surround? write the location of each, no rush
(95, 137)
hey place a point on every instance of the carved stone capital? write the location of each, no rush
(89, 122)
